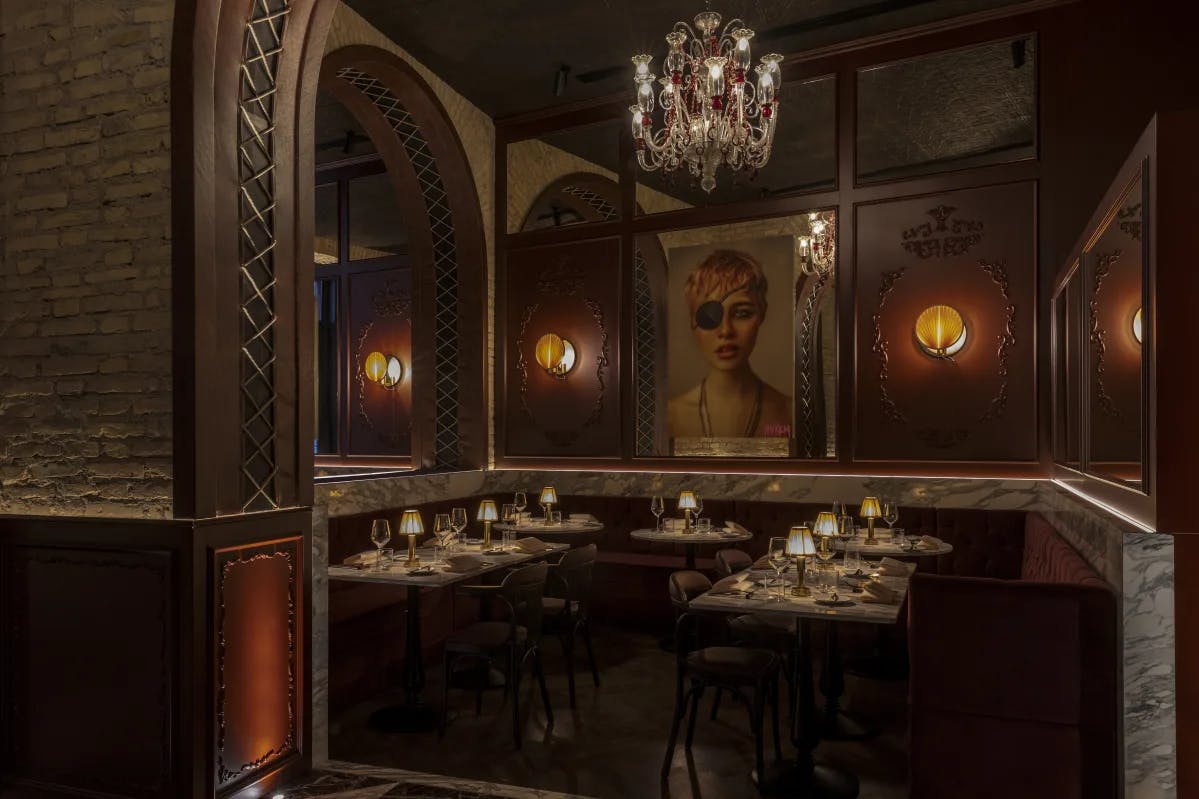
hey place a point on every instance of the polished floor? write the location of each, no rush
(611, 745)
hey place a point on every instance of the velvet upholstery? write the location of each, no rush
(1014, 681)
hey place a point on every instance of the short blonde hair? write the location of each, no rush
(723, 272)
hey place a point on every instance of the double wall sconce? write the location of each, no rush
(1137, 326)
(941, 331)
(555, 355)
(386, 370)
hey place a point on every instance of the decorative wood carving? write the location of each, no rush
(1007, 338)
(1103, 400)
(879, 347)
(943, 237)
(809, 378)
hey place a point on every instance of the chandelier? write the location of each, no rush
(713, 113)
(818, 250)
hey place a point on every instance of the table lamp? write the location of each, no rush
(687, 504)
(826, 527)
(801, 547)
(412, 525)
(870, 511)
(548, 499)
(487, 514)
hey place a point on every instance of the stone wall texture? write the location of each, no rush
(85, 344)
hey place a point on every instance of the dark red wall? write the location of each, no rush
(380, 319)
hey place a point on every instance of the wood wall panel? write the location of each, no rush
(380, 319)
(973, 250)
(90, 656)
(573, 290)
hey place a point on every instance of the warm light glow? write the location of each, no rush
(411, 523)
(548, 496)
(375, 366)
(555, 354)
(870, 508)
(394, 374)
(687, 500)
(826, 524)
(1136, 326)
(487, 512)
(800, 543)
(941, 331)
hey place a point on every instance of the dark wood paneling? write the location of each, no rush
(573, 290)
(258, 597)
(379, 319)
(975, 251)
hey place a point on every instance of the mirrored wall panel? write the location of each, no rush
(1067, 369)
(1117, 330)
(803, 157)
(950, 110)
(567, 177)
(735, 345)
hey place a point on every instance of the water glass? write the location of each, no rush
(853, 559)
(703, 526)
(509, 540)
(386, 556)
(778, 558)
(899, 537)
(555, 517)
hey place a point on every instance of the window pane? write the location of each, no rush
(325, 240)
(735, 345)
(338, 135)
(803, 157)
(951, 110)
(567, 177)
(326, 384)
(376, 229)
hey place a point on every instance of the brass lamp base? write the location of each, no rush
(413, 560)
(801, 565)
(686, 520)
(870, 539)
(486, 535)
(548, 507)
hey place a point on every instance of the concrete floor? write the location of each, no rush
(611, 746)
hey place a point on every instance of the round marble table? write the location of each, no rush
(567, 527)
(884, 546)
(692, 539)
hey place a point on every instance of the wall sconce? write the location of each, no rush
(386, 370)
(555, 354)
(1136, 325)
(940, 331)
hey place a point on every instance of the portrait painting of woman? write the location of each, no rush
(726, 301)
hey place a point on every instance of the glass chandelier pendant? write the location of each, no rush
(714, 112)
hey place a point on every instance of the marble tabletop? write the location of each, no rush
(398, 574)
(721, 598)
(538, 526)
(717, 536)
(885, 546)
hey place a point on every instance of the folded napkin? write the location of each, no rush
(733, 527)
(890, 567)
(929, 542)
(363, 559)
(531, 546)
(878, 593)
(724, 584)
(464, 563)
(583, 517)
(673, 525)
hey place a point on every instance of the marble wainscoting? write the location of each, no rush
(338, 780)
(945, 492)
(347, 499)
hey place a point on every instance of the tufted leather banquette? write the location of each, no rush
(1014, 681)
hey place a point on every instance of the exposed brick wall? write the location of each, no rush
(85, 373)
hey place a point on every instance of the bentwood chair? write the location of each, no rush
(517, 640)
(701, 665)
(732, 561)
(568, 593)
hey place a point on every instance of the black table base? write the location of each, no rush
(414, 715)
(814, 781)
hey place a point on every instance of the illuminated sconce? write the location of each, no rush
(1136, 325)
(386, 370)
(555, 354)
(941, 331)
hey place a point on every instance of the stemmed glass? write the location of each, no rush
(825, 552)
(657, 506)
(890, 512)
(380, 535)
(778, 558)
(443, 533)
(520, 501)
(458, 521)
(699, 507)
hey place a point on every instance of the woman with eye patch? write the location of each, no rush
(726, 297)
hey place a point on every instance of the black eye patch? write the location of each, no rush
(709, 315)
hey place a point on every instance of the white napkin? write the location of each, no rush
(531, 546)
(929, 542)
(673, 525)
(733, 527)
(583, 517)
(878, 593)
(464, 563)
(891, 567)
(363, 558)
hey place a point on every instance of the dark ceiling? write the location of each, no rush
(505, 55)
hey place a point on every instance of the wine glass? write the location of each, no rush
(380, 535)
(778, 558)
(520, 501)
(890, 512)
(458, 520)
(443, 533)
(825, 553)
(657, 506)
(838, 508)
(699, 507)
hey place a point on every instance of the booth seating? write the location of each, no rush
(1014, 672)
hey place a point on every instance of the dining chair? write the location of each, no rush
(732, 561)
(700, 664)
(516, 639)
(568, 595)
